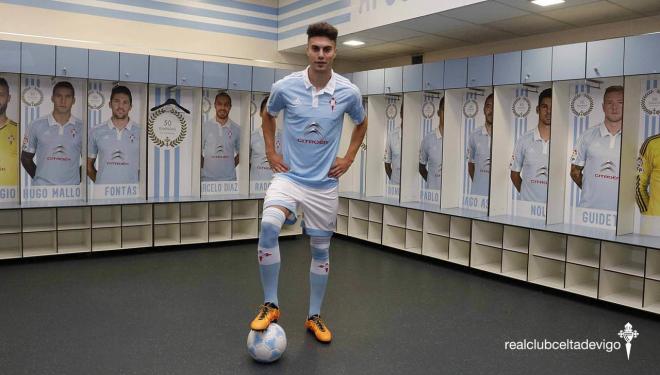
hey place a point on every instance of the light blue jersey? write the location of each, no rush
(57, 150)
(430, 155)
(259, 166)
(530, 158)
(313, 121)
(479, 154)
(393, 153)
(117, 153)
(598, 151)
(220, 144)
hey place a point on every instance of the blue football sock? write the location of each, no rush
(269, 252)
(318, 273)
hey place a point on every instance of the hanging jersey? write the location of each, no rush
(430, 155)
(530, 158)
(393, 154)
(313, 121)
(116, 152)
(598, 151)
(57, 149)
(9, 154)
(259, 166)
(220, 144)
(479, 153)
(648, 178)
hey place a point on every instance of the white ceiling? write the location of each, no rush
(489, 21)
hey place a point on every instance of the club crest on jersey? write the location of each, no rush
(73, 133)
(11, 139)
(574, 156)
(132, 138)
(333, 103)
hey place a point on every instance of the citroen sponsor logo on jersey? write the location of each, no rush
(117, 158)
(219, 152)
(540, 177)
(313, 134)
(608, 171)
(59, 153)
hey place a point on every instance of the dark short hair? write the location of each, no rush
(322, 29)
(612, 89)
(122, 90)
(441, 106)
(263, 103)
(3, 83)
(547, 93)
(491, 95)
(64, 85)
(222, 94)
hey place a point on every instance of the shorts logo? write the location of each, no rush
(651, 102)
(582, 104)
(95, 99)
(521, 106)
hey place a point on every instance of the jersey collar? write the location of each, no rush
(329, 87)
(52, 122)
(112, 126)
(604, 132)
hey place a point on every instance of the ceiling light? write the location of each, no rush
(353, 43)
(545, 3)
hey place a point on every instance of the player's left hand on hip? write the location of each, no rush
(340, 167)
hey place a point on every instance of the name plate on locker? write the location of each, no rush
(219, 187)
(592, 217)
(429, 196)
(259, 186)
(56, 192)
(114, 191)
(8, 194)
(475, 202)
(532, 210)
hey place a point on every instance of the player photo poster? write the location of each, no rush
(393, 141)
(10, 139)
(260, 172)
(476, 140)
(595, 119)
(116, 151)
(647, 215)
(54, 130)
(430, 148)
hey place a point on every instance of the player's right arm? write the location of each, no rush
(578, 161)
(423, 160)
(29, 149)
(276, 103)
(388, 157)
(644, 168)
(91, 157)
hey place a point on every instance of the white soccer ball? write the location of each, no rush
(268, 345)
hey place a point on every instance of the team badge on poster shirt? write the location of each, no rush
(582, 104)
(73, 133)
(11, 139)
(132, 138)
(651, 102)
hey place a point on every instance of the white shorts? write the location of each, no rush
(319, 206)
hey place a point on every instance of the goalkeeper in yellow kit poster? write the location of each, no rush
(648, 178)
(8, 141)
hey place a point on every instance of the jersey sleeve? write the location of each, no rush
(356, 109)
(518, 157)
(92, 147)
(472, 149)
(30, 140)
(423, 154)
(643, 176)
(276, 99)
(387, 158)
(579, 156)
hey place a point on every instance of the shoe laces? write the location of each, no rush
(263, 311)
(319, 323)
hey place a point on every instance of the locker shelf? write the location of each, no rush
(10, 221)
(167, 234)
(547, 245)
(73, 218)
(10, 245)
(653, 264)
(358, 228)
(460, 228)
(220, 231)
(515, 239)
(375, 232)
(394, 236)
(546, 272)
(106, 216)
(622, 289)
(343, 207)
(194, 212)
(582, 280)
(219, 210)
(136, 236)
(394, 216)
(39, 219)
(342, 224)
(136, 214)
(245, 228)
(435, 246)
(623, 258)
(583, 251)
(488, 234)
(39, 243)
(652, 296)
(415, 220)
(358, 209)
(413, 241)
(166, 213)
(514, 264)
(244, 210)
(376, 212)
(459, 251)
(104, 239)
(74, 241)
(436, 224)
(486, 258)
(194, 232)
